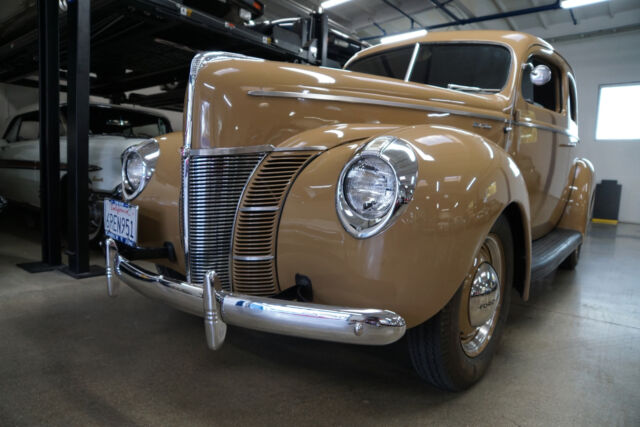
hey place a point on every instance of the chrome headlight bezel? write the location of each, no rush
(401, 157)
(148, 152)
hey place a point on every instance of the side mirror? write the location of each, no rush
(540, 75)
(3, 144)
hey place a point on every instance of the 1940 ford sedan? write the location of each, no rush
(411, 192)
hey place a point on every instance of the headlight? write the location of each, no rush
(370, 187)
(138, 165)
(376, 185)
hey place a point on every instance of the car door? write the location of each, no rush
(20, 160)
(543, 146)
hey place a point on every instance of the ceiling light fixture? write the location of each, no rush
(403, 36)
(330, 3)
(569, 4)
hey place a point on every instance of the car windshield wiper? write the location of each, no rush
(470, 88)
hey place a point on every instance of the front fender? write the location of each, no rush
(415, 266)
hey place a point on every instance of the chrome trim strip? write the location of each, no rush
(547, 128)
(260, 208)
(307, 148)
(227, 151)
(412, 62)
(219, 308)
(184, 199)
(253, 258)
(369, 101)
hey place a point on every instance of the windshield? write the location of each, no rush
(105, 120)
(468, 67)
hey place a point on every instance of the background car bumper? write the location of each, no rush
(219, 308)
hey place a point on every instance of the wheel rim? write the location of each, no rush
(483, 292)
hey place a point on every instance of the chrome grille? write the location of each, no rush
(254, 240)
(215, 184)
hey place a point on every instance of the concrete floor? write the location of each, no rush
(69, 355)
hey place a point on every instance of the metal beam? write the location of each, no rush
(384, 32)
(322, 35)
(498, 4)
(539, 15)
(402, 12)
(466, 13)
(446, 11)
(79, 30)
(49, 60)
(573, 17)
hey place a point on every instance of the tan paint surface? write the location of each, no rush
(578, 210)
(158, 212)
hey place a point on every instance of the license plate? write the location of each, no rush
(121, 221)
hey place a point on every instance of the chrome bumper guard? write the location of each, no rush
(219, 308)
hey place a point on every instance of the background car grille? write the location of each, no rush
(215, 185)
(215, 189)
(254, 240)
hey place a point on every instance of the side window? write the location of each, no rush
(547, 95)
(29, 127)
(11, 135)
(573, 100)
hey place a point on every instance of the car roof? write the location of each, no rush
(518, 41)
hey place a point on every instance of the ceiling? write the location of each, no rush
(371, 18)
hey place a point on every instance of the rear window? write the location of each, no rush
(392, 63)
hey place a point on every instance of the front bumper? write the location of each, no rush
(219, 308)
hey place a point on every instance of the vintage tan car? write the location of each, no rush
(410, 192)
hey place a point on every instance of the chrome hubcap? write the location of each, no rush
(482, 297)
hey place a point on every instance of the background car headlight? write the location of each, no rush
(370, 187)
(376, 185)
(138, 164)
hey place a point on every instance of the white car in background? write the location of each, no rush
(112, 129)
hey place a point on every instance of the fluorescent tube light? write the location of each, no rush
(403, 36)
(568, 4)
(330, 3)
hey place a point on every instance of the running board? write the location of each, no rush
(548, 252)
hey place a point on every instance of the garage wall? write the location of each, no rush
(601, 60)
(15, 99)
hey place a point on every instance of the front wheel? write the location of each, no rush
(453, 349)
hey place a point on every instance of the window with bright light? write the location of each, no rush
(618, 112)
